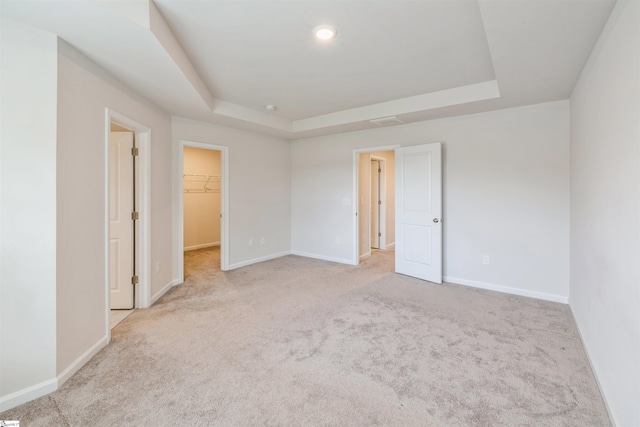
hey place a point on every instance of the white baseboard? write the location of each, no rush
(25, 395)
(164, 290)
(391, 246)
(365, 256)
(204, 245)
(324, 258)
(508, 290)
(257, 260)
(595, 373)
(41, 389)
(82, 360)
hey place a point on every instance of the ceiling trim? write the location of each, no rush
(413, 104)
(170, 44)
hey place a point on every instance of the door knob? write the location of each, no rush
(436, 220)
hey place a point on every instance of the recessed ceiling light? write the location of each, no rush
(270, 107)
(325, 32)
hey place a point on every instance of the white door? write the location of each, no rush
(375, 204)
(120, 223)
(419, 212)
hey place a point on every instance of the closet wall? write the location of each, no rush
(201, 187)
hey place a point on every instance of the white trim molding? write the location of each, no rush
(323, 257)
(164, 290)
(595, 372)
(82, 360)
(30, 393)
(257, 260)
(508, 290)
(38, 390)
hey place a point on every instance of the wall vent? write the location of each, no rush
(386, 121)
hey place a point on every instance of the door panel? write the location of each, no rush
(120, 223)
(419, 212)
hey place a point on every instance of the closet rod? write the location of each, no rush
(201, 176)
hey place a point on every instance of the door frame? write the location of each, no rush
(142, 191)
(355, 260)
(224, 204)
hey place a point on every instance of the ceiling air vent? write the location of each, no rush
(386, 121)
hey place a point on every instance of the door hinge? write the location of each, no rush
(380, 202)
(379, 170)
(379, 234)
(134, 151)
(134, 280)
(135, 216)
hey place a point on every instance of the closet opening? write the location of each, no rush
(203, 226)
(202, 208)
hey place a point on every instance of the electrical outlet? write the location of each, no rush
(262, 240)
(486, 260)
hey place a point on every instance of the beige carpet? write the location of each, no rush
(296, 341)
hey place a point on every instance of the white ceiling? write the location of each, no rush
(223, 61)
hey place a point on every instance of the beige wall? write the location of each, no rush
(259, 190)
(84, 92)
(201, 198)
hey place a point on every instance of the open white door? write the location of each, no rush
(121, 245)
(419, 212)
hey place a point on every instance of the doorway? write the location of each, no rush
(202, 208)
(202, 181)
(127, 208)
(376, 202)
(414, 208)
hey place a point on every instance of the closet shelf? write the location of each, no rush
(206, 183)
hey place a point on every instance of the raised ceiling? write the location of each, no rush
(223, 61)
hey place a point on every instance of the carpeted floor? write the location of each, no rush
(297, 341)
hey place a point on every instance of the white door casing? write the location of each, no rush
(120, 224)
(419, 212)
